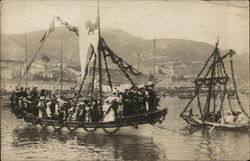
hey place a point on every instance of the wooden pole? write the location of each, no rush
(138, 67)
(61, 69)
(99, 54)
(154, 60)
(26, 60)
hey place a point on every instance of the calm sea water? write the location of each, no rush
(176, 141)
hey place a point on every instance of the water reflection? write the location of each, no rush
(118, 147)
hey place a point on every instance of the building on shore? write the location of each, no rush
(10, 85)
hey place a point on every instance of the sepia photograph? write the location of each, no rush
(123, 80)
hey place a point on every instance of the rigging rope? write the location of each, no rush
(70, 27)
(106, 65)
(118, 60)
(93, 77)
(84, 77)
(33, 59)
(205, 65)
(235, 88)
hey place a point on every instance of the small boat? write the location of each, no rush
(137, 124)
(212, 112)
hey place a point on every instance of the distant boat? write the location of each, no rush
(212, 112)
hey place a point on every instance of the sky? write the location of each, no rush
(193, 20)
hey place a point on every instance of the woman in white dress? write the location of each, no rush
(109, 114)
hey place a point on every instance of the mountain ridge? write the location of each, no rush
(124, 44)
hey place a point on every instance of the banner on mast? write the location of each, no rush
(88, 35)
(51, 29)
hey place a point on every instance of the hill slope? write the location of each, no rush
(186, 52)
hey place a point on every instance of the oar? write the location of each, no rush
(212, 129)
(214, 126)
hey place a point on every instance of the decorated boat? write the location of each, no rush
(212, 110)
(93, 50)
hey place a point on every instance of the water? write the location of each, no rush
(177, 141)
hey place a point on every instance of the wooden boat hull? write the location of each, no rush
(145, 130)
(198, 122)
(141, 124)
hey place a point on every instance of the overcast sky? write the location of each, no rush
(193, 20)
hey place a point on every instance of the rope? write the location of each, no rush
(199, 104)
(86, 129)
(51, 123)
(111, 132)
(188, 104)
(84, 77)
(106, 65)
(93, 77)
(33, 59)
(205, 65)
(118, 60)
(71, 129)
(235, 88)
(70, 27)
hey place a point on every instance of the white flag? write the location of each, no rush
(88, 35)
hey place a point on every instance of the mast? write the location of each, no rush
(154, 59)
(61, 69)
(26, 59)
(154, 77)
(210, 88)
(99, 53)
(138, 65)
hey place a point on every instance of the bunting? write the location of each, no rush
(70, 27)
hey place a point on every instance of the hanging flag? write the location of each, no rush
(51, 29)
(88, 35)
(70, 27)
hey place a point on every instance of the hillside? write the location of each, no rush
(189, 54)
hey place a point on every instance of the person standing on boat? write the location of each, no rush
(151, 99)
(141, 98)
(115, 101)
(109, 114)
(94, 111)
(120, 108)
(126, 102)
(53, 106)
(87, 111)
(42, 107)
(133, 107)
(15, 97)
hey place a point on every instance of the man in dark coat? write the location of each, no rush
(126, 101)
(152, 98)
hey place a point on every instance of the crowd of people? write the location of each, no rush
(131, 101)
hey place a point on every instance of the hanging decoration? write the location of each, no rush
(70, 27)
(118, 60)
